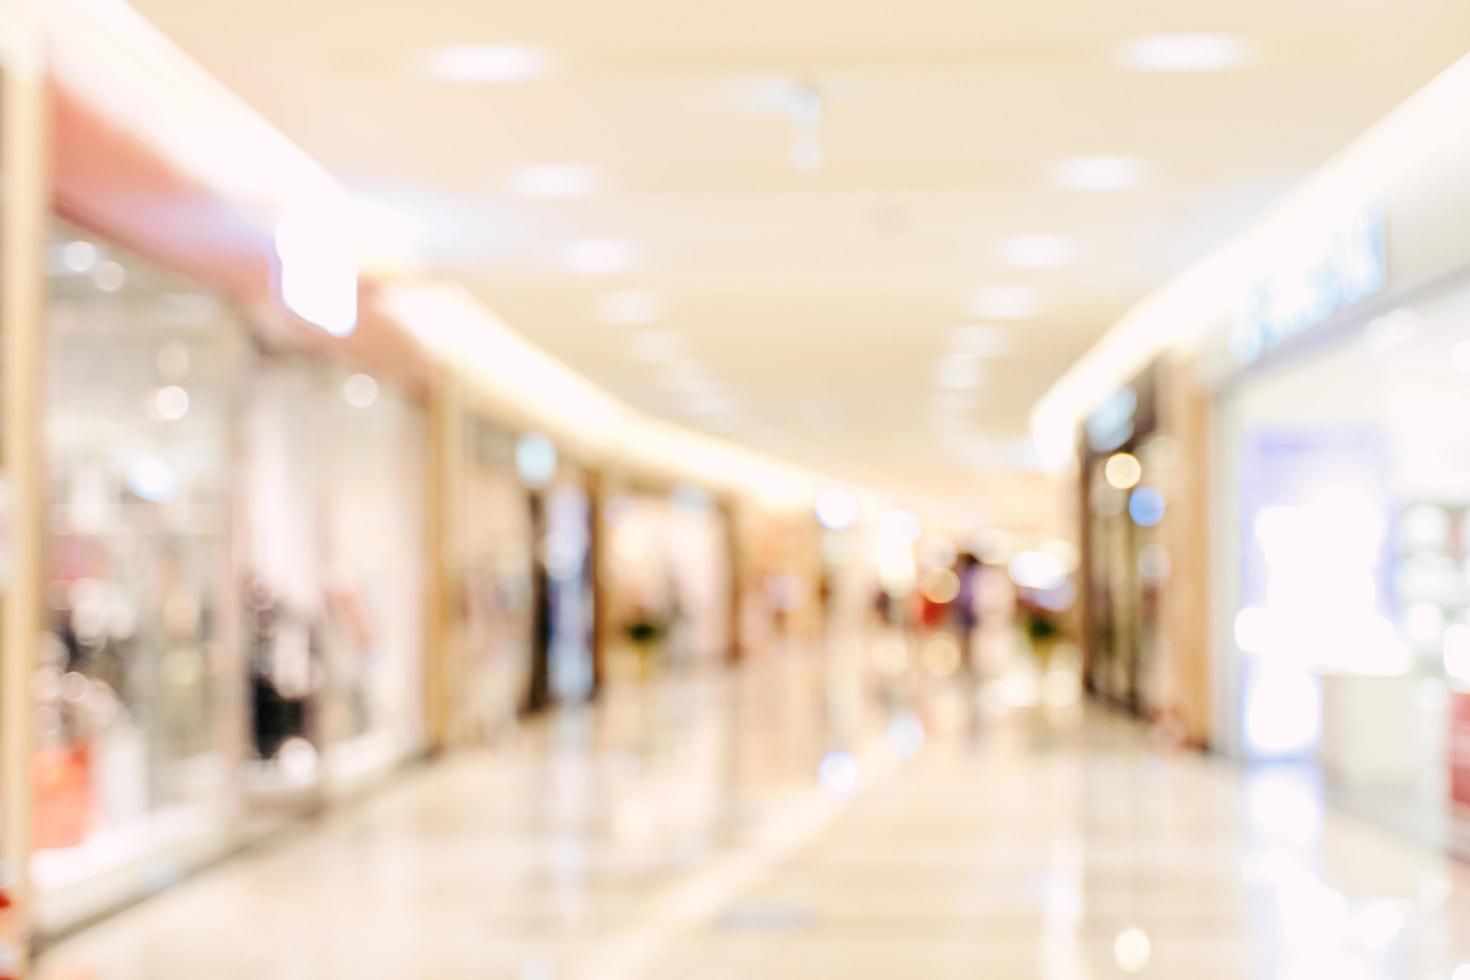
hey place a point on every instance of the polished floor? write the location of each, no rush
(807, 816)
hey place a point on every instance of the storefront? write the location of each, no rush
(1123, 457)
(668, 575)
(1345, 483)
(336, 565)
(138, 680)
(1141, 501)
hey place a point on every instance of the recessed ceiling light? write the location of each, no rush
(657, 345)
(487, 63)
(980, 340)
(956, 371)
(1097, 173)
(1006, 302)
(628, 307)
(1185, 52)
(684, 375)
(555, 180)
(601, 256)
(1039, 251)
(955, 401)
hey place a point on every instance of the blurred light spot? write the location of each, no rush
(1039, 570)
(171, 403)
(1123, 471)
(481, 63)
(535, 459)
(1005, 302)
(1462, 972)
(74, 686)
(838, 773)
(172, 361)
(940, 585)
(1185, 52)
(1131, 949)
(109, 276)
(602, 256)
(1039, 251)
(555, 181)
(1146, 506)
(152, 479)
(298, 759)
(837, 508)
(941, 655)
(628, 307)
(360, 390)
(905, 734)
(1097, 173)
(79, 257)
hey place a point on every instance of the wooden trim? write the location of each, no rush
(24, 165)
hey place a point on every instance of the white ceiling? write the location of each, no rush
(818, 305)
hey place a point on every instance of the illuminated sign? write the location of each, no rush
(1326, 276)
(316, 272)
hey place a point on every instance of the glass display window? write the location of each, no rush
(668, 569)
(336, 585)
(1345, 598)
(136, 683)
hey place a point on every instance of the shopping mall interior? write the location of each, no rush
(575, 491)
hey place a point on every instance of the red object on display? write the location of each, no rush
(1460, 747)
(62, 807)
(10, 938)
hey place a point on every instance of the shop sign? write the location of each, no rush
(1325, 276)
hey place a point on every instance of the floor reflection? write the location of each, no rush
(881, 806)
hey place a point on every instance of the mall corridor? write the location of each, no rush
(775, 821)
(568, 490)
